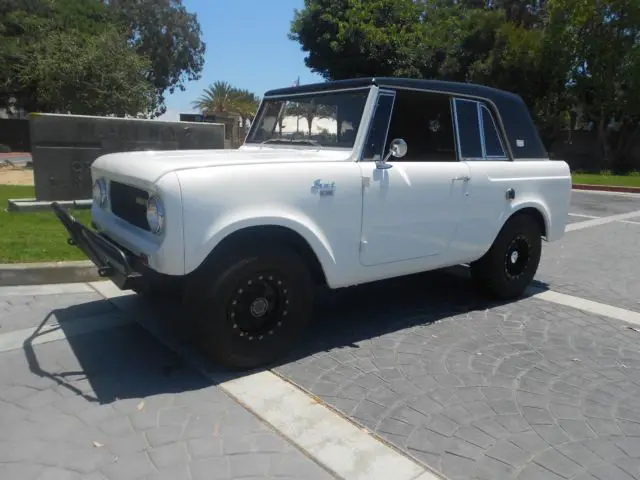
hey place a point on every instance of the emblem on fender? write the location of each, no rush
(323, 189)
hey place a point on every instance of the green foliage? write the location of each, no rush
(96, 56)
(566, 58)
(66, 56)
(224, 99)
(167, 34)
(351, 38)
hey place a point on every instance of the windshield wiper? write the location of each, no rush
(286, 140)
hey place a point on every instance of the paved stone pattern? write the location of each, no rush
(18, 312)
(527, 390)
(117, 405)
(598, 263)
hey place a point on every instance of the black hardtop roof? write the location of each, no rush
(460, 88)
(521, 132)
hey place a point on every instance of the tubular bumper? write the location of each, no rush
(113, 262)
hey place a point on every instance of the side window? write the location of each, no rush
(469, 138)
(424, 120)
(478, 137)
(374, 146)
(493, 144)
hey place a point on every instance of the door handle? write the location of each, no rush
(464, 178)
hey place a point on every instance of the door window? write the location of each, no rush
(424, 120)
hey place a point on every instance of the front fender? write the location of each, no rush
(229, 224)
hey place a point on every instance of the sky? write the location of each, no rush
(247, 46)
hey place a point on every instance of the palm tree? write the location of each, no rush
(245, 104)
(310, 111)
(217, 98)
(221, 98)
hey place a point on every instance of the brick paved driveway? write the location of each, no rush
(117, 404)
(526, 390)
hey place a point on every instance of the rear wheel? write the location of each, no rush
(509, 266)
(253, 306)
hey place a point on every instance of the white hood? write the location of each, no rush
(150, 166)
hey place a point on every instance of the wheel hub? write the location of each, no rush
(517, 257)
(259, 307)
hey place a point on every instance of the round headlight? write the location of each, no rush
(155, 214)
(100, 192)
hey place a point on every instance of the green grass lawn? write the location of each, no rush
(34, 236)
(632, 180)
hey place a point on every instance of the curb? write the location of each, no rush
(13, 274)
(605, 188)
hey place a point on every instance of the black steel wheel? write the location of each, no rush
(509, 266)
(252, 307)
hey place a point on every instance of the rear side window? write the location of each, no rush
(477, 131)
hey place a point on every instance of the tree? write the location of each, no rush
(601, 39)
(166, 33)
(224, 99)
(65, 56)
(353, 38)
(309, 111)
(500, 43)
(217, 98)
(246, 104)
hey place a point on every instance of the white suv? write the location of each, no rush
(339, 183)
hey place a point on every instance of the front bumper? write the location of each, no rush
(113, 261)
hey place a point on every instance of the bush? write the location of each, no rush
(4, 148)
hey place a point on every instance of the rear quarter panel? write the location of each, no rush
(541, 184)
(220, 200)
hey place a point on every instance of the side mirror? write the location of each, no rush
(397, 149)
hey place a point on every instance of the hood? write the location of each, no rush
(150, 166)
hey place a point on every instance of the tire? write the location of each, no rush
(251, 307)
(503, 274)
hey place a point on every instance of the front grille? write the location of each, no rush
(129, 203)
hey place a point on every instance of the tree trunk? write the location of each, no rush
(603, 143)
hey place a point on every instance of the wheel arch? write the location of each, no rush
(537, 212)
(312, 247)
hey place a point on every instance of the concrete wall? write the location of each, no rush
(63, 147)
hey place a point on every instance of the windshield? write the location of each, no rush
(319, 119)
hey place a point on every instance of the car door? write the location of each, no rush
(483, 148)
(412, 209)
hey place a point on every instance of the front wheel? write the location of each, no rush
(509, 266)
(253, 306)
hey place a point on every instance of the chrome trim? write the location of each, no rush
(454, 110)
(483, 145)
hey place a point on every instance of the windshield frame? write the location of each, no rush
(262, 109)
